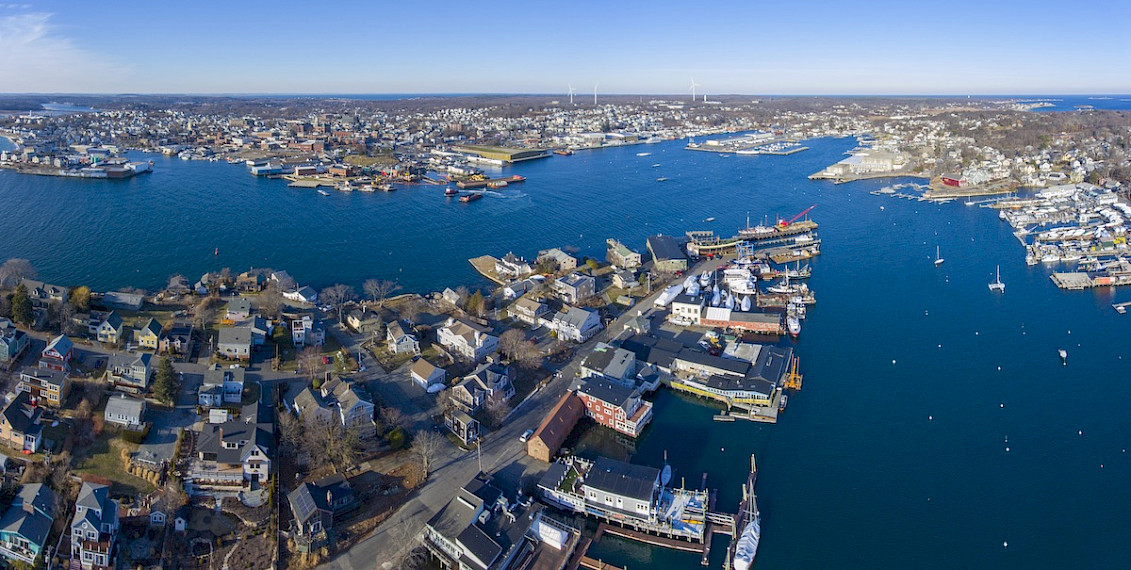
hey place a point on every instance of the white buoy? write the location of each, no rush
(893, 362)
(932, 418)
(999, 369)
(1003, 404)
(940, 346)
(1080, 432)
(1007, 449)
(1005, 544)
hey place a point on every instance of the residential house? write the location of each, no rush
(178, 340)
(57, 356)
(303, 294)
(399, 341)
(221, 387)
(308, 331)
(123, 300)
(235, 342)
(559, 259)
(491, 380)
(340, 401)
(624, 279)
(234, 454)
(575, 287)
(110, 329)
(512, 266)
(529, 310)
(149, 335)
(94, 529)
(365, 321)
(129, 371)
(451, 297)
(13, 344)
(314, 505)
(43, 294)
(248, 282)
(425, 374)
(576, 324)
(614, 364)
(516, 289)
(467, 340)
(620, 255)
(615, 406)
(238, 309)
(20, 426)
(125, 411)
(465, 427)
(27, 522)
(482, 529)
(48, 387)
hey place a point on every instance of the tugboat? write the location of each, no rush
(470, 197)
(449, 192)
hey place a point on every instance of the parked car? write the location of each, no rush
(526, 435)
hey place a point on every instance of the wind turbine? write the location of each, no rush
(595, 92)
(693, 86)
(571, 94)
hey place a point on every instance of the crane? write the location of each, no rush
(785, 223)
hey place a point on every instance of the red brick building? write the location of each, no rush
(615, 406)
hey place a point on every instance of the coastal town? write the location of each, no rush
(250, 419)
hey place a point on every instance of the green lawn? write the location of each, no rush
(103, 458)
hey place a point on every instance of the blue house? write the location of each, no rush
(26, 524)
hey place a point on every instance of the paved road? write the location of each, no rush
(502, 455)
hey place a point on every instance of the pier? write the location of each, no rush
(485, 265)
(488, 182)
(705, 242)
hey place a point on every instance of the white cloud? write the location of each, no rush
(34, 57)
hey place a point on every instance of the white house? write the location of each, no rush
(302, 295)
(125, 411)
(307, 331)
(94, 528)
(424, 374)
(399, 341)
(468, 340)
(576, 324)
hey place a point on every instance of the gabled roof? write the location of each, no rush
(624, 479)
(613, 394)
(114, 320)
(575, 317)
(235, 335)
(93, 496)
(60, 344)
(21, 415)
(31, 514)
(125, 406)
(153, 327)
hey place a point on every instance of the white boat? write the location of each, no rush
(793, 324)
(705, 278)
(692, 289)
(323, 192)
(715, 298)
(748, 544)
(998, 285)
(1063, 356)
(729, 301)
(746, 304)
(661, 179)
(938, 258)
(643, 154)
(657, 165)
(687, 282)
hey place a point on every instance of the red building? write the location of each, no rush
(57, 355)
(955, 181)
(615, 406)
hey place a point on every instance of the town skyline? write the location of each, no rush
(633, 48)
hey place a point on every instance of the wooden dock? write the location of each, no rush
(673, 543)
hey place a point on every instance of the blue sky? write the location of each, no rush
(442, 46)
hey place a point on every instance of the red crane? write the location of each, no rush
(785, 223)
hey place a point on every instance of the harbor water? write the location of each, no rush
(937, 425)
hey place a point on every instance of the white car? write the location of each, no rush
(526, 435)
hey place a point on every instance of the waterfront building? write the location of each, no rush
(27, 522)
(43, 294)
(123, 300)
(512, 266)
(365, 321)
(48, 387)
(615, 406)
(555, 427)
(94, 528)
(560, 260)
(467, 340)
(620, 255)
(667, 254)
(575, 288)
(303, 294)
(614, 364)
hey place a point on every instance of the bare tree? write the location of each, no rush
(425, 446)
(310, 361)
(510, 343)
(291, 433)
(462, 292)
(405, 536)
(444, 400)
(270, 301)
(497, 409)
(411, 308)
(529, 357)
(380, 289)
(177, 283)
(337, 296)
(14, 270)
(205, 312)
(393, 418)
(329, 443)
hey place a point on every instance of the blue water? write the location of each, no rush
(855, 474)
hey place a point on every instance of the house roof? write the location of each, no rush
(306, 502)
(152, 326)
(555, 428)
(125, 360)
(235, 335)
(423, 368)
(60, 344)
(466, 330)
(21, 415)
(114, 320)
(624, 479)
(665, 247)
(606, 391)
(575, 317)
(31, 514)
(610, 361)
(44, 376)
(125, 406)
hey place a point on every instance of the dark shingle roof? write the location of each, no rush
(624, 479)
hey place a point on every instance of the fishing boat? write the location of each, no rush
(470, 197)
(998, 285)
(1063, 356)
(449, 192)
(323, 192)
(938, 258)
(783, 403)
(748, 544)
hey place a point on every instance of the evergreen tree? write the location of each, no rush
(165, 383)
(21, 306)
